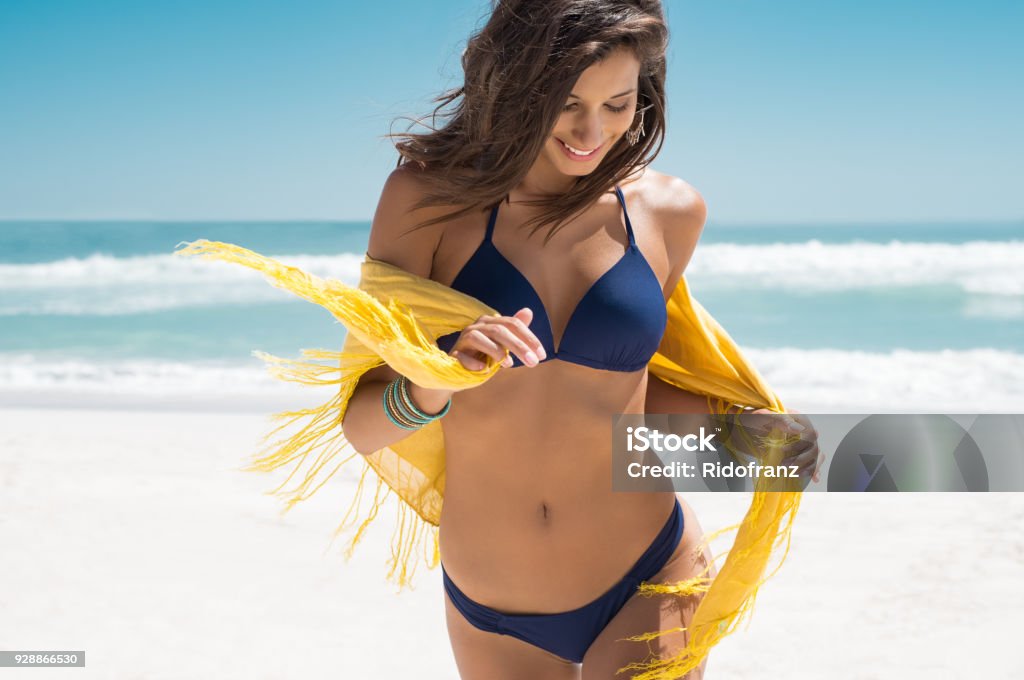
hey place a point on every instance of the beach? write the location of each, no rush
(129, 399)
(838, 185)
(131, 534)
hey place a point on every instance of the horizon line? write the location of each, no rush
(319, 220)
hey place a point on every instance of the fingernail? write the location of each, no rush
(543, 354)
(531, 358)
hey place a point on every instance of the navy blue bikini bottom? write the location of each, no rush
(569, 634)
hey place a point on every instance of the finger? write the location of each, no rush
(753, 423)
(804, 461)
(805, 421)
(471, 363)
(525, 315)
(814, 467)
(808, 459)
(519, 324)
(766, 421)
(791, 422)
(504, 336)
(813, 457)
(798, 448)
(477, 339)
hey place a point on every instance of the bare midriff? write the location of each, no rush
(530, 523)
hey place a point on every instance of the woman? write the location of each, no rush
(561, 112)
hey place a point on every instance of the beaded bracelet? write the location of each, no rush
(392, 412)
(403, 391)
(402, 411)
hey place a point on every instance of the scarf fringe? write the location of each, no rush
(766, 529)
(706, 632)
(398, 339)
(313, 451)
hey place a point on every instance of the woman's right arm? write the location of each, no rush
(366, 426)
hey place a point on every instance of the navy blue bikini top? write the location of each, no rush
(617, 325)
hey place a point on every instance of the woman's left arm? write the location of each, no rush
(679, 213)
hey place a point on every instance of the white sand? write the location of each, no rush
(128, 534)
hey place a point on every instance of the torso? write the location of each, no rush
(529, 522)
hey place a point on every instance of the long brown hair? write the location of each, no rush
(519, 70)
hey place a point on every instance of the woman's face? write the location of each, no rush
(600, 109)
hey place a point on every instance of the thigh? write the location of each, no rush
(480, 655)
(610, 651)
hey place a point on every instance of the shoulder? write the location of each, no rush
(679, 207)
(677, 210)
(395, 237)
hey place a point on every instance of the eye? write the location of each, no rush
(613, 109)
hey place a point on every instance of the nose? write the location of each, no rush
(587, 130)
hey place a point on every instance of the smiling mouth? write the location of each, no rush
(580, 154)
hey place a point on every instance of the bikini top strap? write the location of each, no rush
(490, 223)
(625, 214)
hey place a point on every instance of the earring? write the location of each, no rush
(633, 135)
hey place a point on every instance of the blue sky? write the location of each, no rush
(778, 111)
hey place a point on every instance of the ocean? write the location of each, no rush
(859, 318)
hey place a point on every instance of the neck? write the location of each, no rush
(543, 180)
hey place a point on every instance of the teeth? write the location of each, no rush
(577, 151)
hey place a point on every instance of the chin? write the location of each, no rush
(574, 171)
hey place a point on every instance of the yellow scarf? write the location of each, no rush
(395, 317)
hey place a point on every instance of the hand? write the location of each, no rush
(801, 446)
(495, 336)
(807, 455)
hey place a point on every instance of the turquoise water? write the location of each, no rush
(40, 241)
(86, 294)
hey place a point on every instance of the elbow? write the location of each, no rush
(356, 441)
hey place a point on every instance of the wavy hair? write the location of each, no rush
(519, 70)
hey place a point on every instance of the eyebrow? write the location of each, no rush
(614, 96)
